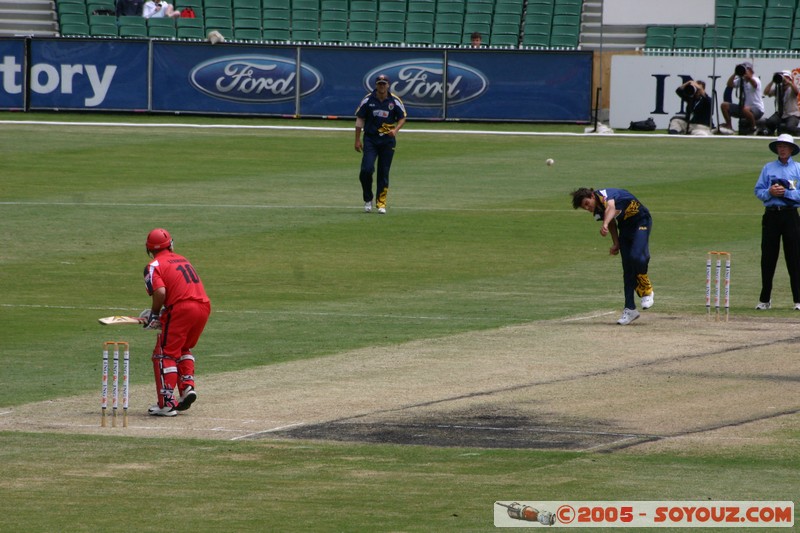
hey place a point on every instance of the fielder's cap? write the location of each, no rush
(784, 138)
(748, 65)
(382, 78)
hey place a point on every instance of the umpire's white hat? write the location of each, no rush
(784, 138)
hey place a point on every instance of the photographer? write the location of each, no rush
(696, 119)
(747, 92)
(786, 116)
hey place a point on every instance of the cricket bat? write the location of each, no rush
(116, 320)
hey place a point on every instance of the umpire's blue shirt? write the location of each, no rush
(787, 175)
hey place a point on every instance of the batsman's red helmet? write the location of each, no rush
(158, 239)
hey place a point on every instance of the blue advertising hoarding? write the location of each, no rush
(308, 81)
(12, 74)
(88, 75)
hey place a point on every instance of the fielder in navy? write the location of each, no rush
(629, 223)
(380, 115)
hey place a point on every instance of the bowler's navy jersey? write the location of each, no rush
(380, 117)
(631, 209)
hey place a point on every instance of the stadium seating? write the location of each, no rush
(739, 24)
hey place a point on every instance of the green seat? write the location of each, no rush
(197, 5)
(419, 37)
(72, 18)
(160, 32)
(390, 27)
(447, 38)
(333, 36)
(189, 23)
(218, 12)
(327, 6)
(539, 11)
(276, 34)
(420, 16)
(247, 34)
(240, 13)
(333, 25)
(536, 39)
(753, 3)
(658, 41)
(508, 7)
(390, 37)
(133, 20)
(749, 12)
(566, 20)
(246, 4)
(222, 25)
(503, 39)
(564, 41)
(102, 19)
(305, 14)
(75, 9)
(275, 24)
(246, 24)
(364, 5)
(75, 28)
(362, 26)
(161, 21)
(717, 38)
(421, 6)
(778, 22)
(190, 32)
(507, 18)
(392, 16)
(305, 35)
(505, 29)
(775, 43)
(448, 6)
(97, 5)
(567, 9)
(304, 25)
(363, 16)
(393, 6)
(305, 4)
(104, 30)
(483, 8)
(333, 15)
(276, 14)
(133, 31)
(217, 3)
(450, 18)
(689, 37)
(361, 36)
(746, 40)
(277, 4)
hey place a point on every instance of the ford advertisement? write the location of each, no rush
(308, 81)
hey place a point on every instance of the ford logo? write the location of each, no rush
(254, 79)
(420, 82)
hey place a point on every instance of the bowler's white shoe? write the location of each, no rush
(628, 316)
(647, 300)
(382, 210)
(797, 306)
(155, 410)
(763, 306)
(368, 207)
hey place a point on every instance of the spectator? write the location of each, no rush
(787, 115)
(697, 117)
(476, 40)
(128, 8)
(159, 9)
(777, 188)
(750, 107)
(381, 115)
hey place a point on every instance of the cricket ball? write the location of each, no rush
(550, 162)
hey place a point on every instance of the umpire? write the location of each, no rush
(777, 188)
(380, 115)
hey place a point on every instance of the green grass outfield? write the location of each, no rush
(480, 234)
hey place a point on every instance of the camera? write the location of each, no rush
(740, 70)
(689, 90)
(777, 78)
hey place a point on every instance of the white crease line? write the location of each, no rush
(272, 430)
(590, 317)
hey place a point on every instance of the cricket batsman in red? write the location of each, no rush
(180, 309)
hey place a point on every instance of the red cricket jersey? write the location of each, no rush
(176, 273)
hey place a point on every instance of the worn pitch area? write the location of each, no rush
(575, 384)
